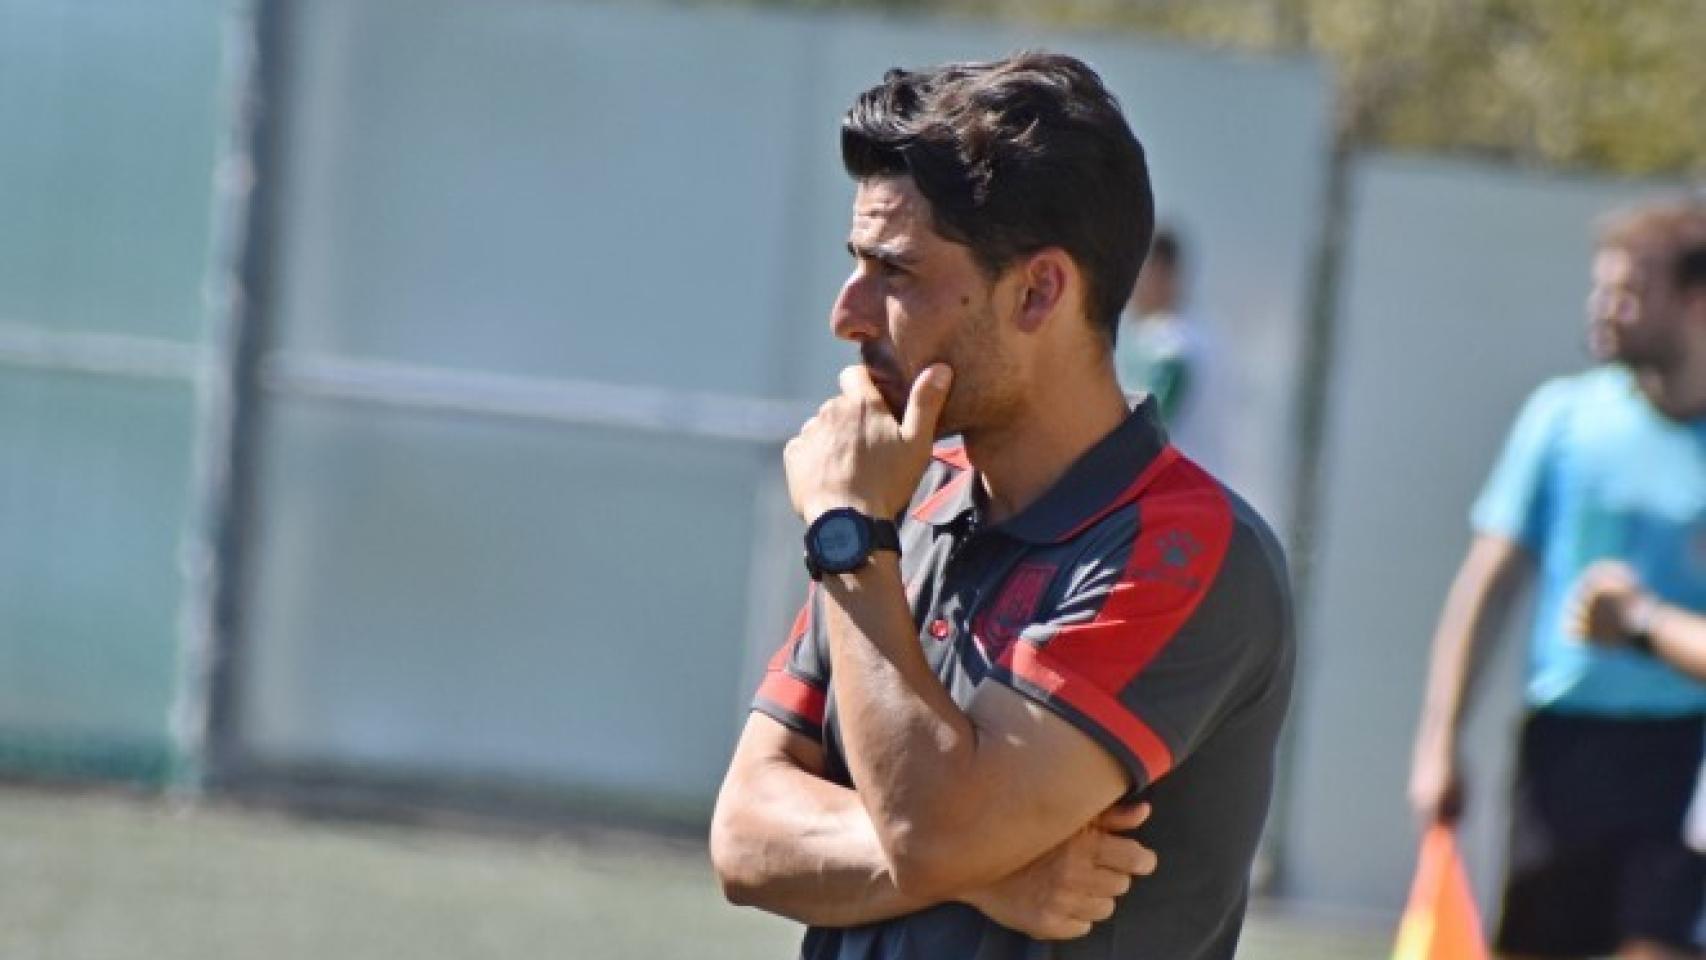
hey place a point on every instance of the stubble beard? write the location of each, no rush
(1653, 353)
(985, 395)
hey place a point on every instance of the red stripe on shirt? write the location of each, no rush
(953, 456)
(793, 695)
(1060, 682)
(795, 632)
(943, 494)
(1184, 530)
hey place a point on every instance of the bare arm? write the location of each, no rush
(1678, 636)
(787, 841)
(958, 798)
(1475, 612)
(790, 842)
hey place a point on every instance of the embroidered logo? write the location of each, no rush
(1001, 622)
(1178, 548)
(1168, 558)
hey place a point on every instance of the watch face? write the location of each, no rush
(840, 542)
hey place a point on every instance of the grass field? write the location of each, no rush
(102, 877)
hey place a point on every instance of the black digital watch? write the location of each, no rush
(842, 540)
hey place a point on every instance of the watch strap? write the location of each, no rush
(885, 535)
(1641, 625)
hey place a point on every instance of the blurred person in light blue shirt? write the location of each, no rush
(1592, 471)
(1605, 465)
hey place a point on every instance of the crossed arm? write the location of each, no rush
(1004, 806)
(957, 798)
(999, 805)
(788, 841)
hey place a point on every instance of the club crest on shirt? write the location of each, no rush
(1168, 558)
(1006, 617)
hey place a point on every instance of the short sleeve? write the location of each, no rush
(796, 681)
(1516, 499)
(1152, 646)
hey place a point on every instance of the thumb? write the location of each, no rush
(929, 394)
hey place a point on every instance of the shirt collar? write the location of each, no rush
(1108, 476)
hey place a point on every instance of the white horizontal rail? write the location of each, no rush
(101, 354)
(715, 416)
(553, 400)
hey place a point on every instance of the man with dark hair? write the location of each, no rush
(1609, 464)
(1022, 642)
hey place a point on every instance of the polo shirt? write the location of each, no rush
(1142, 602)
(1592, 471)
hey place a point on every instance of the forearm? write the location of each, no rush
(1455, 639)
(929, 782)
(1475, 612)
(796, 845)
(1678, 637)
(911, 749)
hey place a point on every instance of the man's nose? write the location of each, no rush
(1611, 306)
(857, 315)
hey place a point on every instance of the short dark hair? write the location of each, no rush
(1014, 156)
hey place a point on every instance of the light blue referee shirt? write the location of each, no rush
(1592, 471)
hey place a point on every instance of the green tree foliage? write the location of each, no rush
(1617, 85)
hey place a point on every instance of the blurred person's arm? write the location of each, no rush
(785, 840)
(1613, 609)
(1474, 615)
(1511, 518)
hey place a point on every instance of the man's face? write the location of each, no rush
(915, 298)
(1634, 309)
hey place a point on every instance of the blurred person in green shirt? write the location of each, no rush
(1163, 350)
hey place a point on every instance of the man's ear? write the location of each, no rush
(1050, 279)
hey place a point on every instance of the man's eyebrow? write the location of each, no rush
(891, 256)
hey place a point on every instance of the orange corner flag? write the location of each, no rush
(1440, 922)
